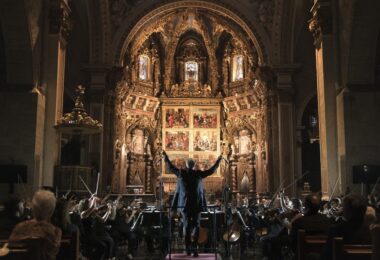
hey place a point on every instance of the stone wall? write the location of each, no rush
(21, 136)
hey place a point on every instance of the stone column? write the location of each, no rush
(56, 34)
(321, 27)
(286, 127)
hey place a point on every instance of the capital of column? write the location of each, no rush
(321, 22)
(284, 76)
(59, 19)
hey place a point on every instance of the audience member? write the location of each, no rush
(353, 229)
(43, 205)
(312, 222)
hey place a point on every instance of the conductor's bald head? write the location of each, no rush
(190, 163)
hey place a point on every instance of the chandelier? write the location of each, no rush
(78, 121)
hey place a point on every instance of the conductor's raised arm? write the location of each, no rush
(169, 166)
(213, 168)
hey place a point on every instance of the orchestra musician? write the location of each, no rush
(189, 198)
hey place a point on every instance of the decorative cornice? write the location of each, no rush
(321, 22)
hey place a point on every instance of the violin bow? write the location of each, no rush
(97, 184)
(85, 185)
(335, 185)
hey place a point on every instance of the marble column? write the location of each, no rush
(53, 73)
(321, 26)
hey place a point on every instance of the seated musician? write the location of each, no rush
(94, 234)
(353, 229)
(190, 199)
(312, 222)
(43, 204)
(121, 227)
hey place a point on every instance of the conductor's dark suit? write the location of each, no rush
(189, 197)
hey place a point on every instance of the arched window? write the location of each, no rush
(238, 68)
(191, 71)
(143, 67)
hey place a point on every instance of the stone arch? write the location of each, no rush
(124, 36)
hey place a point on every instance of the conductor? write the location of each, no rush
(189, 198)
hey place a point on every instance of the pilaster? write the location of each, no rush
(286, 126)
(55, 40)
(321, 26)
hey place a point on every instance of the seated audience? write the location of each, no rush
(43, 205)
(353, 228)
(11, 215)
(312, 222)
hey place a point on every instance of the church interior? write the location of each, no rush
(94, 93)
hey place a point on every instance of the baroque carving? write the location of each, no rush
(321, 22)
(59, 18)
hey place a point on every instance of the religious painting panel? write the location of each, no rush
(177, 141)
(129, 101)
(178, 160)
(230, 104)
(141, 103)
(176, 118)
(205, 118)
(205, 141)
(152, 106)
(204, 161)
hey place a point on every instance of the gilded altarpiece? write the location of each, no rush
(191, 129)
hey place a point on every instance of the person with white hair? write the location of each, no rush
(43, 205)
(189, 198)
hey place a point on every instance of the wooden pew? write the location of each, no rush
(69, 249)
(29, 249)
(307, 244)
(350, 252)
